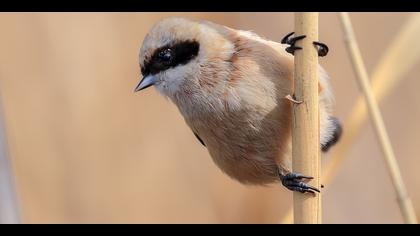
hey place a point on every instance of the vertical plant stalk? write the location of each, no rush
(305, 131)
(9, 213)
(386, 76)
(404, 201)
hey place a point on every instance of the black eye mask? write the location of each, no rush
(171, 56)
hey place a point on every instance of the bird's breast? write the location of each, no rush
(244, 144)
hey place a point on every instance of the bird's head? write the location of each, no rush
(182, 55)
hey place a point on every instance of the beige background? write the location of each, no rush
(86, 149)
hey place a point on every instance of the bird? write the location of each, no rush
(231, 86)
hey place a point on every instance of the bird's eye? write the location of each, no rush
(165, 55)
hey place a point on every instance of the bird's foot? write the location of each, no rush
(296, 182)
(291, 42)
(322, 48)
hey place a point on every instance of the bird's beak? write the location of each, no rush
(146, 82)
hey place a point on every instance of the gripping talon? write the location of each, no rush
(300, 176)
(285, 39)
(296, 182)
(292, 49)
(291, 41)
(294, 39)
(322, 49)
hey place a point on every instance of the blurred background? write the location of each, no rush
(85, 149)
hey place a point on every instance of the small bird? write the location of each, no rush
(230, 86)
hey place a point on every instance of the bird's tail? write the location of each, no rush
(338, 130)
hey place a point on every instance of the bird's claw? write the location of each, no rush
(295, 182)
(322, 48)
(291, 41)
(291, 49)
